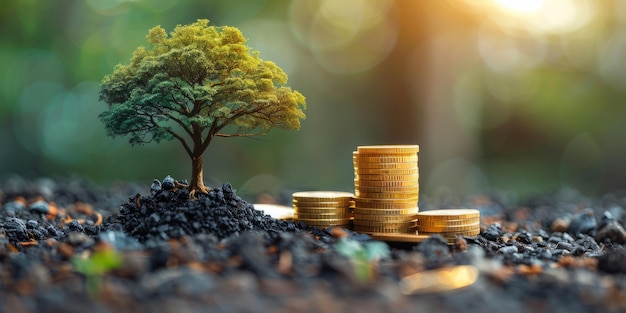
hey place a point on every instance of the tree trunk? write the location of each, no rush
(197, 182)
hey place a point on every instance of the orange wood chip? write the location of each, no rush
(31, 242)
(12, 248)
(138, 200)
(83, 208)
(98, 219)
(53, 211)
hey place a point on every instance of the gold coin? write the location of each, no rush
(362, 203)
(446, 229)
(381, 165)
(313, 216)
(386, 171)
(447, 223)
(396, 200)
(450, 214)
(413, 195)
(387, 189)
(379, 177)
(380, 212)
(324, 204)
(322, 195)
(325, 222)
(389, 149)
(451, 235)
(380, 158)
(408, 223)
(439, 280)
(307, 210)
(359, 183)
(347, 226)
(385, 218)
(399, 237)
(368, 229)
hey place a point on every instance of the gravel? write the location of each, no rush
(68, 245)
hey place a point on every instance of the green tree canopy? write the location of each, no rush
(200, 82)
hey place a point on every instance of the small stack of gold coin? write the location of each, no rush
(323, 208)
(449, 223)
(386, 188)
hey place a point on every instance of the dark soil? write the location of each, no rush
(67, 245)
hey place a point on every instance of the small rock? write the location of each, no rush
(565, 246)
(120, 241)
(14, 206)
(508, 250)
(559, 225)
(168, 183)
(554, 239)
(537, 239)
(39, 207)
(613, 231)
(493, 232)
(567, 237)
(79, 239)
(582, 223)
(524, 237)
(613, 261)
(155, 187)
(607, 217)
(435, 249)
(545, 254)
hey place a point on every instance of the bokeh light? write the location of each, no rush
(345, 36)
(524, 95)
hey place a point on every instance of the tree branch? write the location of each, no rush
(179, 121)
(175, 135)
(238, 135)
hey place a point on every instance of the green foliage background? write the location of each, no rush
(490, 108)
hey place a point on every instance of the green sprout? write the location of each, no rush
(364, 257)
(96, 266)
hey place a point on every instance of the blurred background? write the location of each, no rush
(519, 95)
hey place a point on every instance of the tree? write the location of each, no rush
(199, 83)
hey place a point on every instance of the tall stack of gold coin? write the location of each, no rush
(449, 223)
(323, 208)
(386, 187)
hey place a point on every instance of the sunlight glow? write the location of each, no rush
(542, 16)
(520, 6)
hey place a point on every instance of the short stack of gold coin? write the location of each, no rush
(323, 208)
(386, 189)
(449, 223)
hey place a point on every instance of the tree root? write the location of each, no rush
(192, 193)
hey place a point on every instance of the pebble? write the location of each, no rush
(508, 250)
(567, 237)
(565, 246)
(119, 240)
(612, 231)
(77, 239)
(250, 245)
(14, 206)
(168, 183)
(40, 206)
(435, 249)
(493, 232)
(155, 187)
(613, 261)
(582, 223)
(559, 225)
